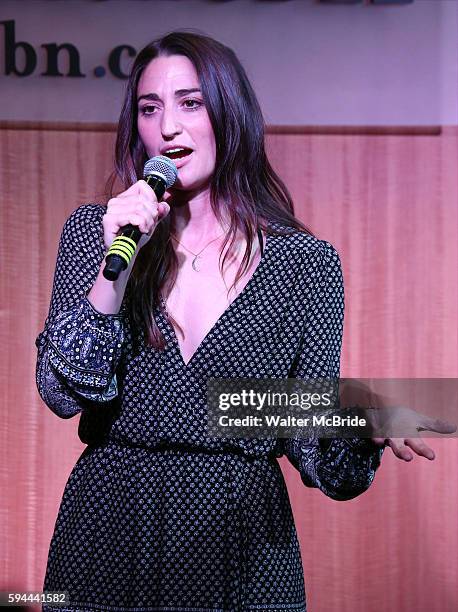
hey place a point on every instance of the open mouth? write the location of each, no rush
(178, 153)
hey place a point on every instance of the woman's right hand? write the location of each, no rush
(138, 206)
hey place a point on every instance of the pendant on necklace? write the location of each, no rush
(195, 264)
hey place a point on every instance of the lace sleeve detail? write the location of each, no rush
(79, 348)
(342, 471)
(85, 347)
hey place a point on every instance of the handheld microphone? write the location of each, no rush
(160, 173)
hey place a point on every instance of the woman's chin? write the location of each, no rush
(186, 190)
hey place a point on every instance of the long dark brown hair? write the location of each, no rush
(244, 187)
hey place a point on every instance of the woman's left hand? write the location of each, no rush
(409, 423)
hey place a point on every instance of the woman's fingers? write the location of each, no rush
(126, 217)
(136, 206)
(407, 422)
(168, 195)
(400, 449)
(422, 449)
(163, 209)
(132, 190)
(437, 425)
(140, 187)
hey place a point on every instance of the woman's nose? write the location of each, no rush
(169, 123)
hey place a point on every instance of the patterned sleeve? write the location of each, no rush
(79, 348)
(342, 468)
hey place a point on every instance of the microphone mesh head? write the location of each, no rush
(161, 166)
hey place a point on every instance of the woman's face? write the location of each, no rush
(172, 114)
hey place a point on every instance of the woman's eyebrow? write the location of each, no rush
(178, 94)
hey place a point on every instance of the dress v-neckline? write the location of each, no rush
(249, 286)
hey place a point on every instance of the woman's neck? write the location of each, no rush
(193, 219)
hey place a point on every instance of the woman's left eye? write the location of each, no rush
(194, 103)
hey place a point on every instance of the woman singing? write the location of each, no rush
(226, 283)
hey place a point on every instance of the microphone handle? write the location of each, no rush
(125, 244)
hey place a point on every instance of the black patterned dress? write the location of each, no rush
(157, 515)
